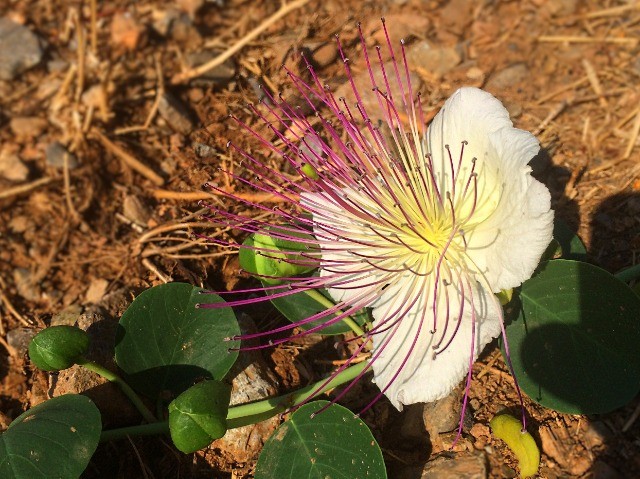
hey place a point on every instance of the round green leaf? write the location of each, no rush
(574, 344)
(199, 415)
(166, 343)
(334, 443)
(58, 347)
(270, 257)
(55, 439)
(302, 305)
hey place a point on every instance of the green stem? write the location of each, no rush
(126, 389)
(252, 413)
(324, 301)
(628, 274)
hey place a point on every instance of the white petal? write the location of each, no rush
(512, 223)
(423, 378)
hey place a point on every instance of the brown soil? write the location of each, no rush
(122, 219)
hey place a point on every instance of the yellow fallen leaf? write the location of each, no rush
(509, 429)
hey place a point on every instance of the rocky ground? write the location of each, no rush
(109, 131)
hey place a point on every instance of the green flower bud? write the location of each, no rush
(58, 347)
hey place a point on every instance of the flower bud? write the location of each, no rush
(58, 347)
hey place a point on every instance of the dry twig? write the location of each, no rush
(25, 188)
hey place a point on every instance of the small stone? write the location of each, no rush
(443, 415)
(20, 49)
(54, 154)
(11, 167)
(399, 26)
(94, 96)
(126, 31)
(25, 284)
(508, 77)
(97, 289)
(27, 126)
(67, 317)
(436, 60)
(19, 339)
(475, 73)
(219, 76)
(175, 114)
(252, 381)
(135, 210)
(325, 54)
(19, 224)
(461, 466)
(597, 434)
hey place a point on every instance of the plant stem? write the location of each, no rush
(252, 413)
(628, 274)
(126, 389)
(324, 301)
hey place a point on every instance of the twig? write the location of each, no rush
(10, 307)
(614, 11)
(553, 114)
(632, 419)
(595, 82)
(570, 86)
(129, 159)
(171, 227)
(579, 39)
(203, 195)
(153, 268)
(26, 188)
(67, 187)
(82, 44)
(284, 9)
(94, 26)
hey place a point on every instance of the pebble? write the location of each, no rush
(54, 154)
(25, 284)
(27, 126)
(460, 466)
(175, 114)
(325, 54)
(67, 317)
(126, 31)
(19, 339)
(437, 60)
(20, 49)
(135, 210)
(11, 167)
(252, 381)
(508, 77)
(443, 415)
(219, 76)
(97, 289)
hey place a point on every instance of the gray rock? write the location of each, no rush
(175, 114)
(135, 210)
(508, 77)
(325, 54)
(443, 415)
(54, 154)
(20, 49)
(25, 285)
(19, 339)
(219, 76)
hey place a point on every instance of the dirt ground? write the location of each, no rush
(110, 208)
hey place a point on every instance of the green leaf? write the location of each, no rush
(199, 415)
(261, 255)
(302, 305)
(55, 439)
(58, 347)
(166, 343)
(334, 443)
(574, 344)
(509, 429)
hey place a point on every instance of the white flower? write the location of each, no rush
(421, 225)
(429, 247)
